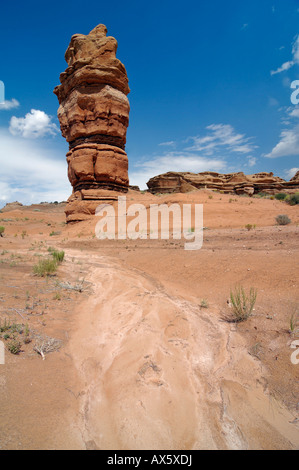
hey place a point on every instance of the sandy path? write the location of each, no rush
(159, 372)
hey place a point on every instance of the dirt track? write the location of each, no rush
(143, 365)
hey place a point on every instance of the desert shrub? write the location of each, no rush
(294, 324)
(2, 230)
(280, 196)
(242, 303)
(292, 199)
(14, 346)
(45, 267)
(5, 326)
(283, 219)
(58, 255)
(53, 234)
(204, 303)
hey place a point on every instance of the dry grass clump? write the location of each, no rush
(45, 345)
(45, 267)
(283, 219)
(242, 304)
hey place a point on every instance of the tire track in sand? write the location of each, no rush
(158, 372)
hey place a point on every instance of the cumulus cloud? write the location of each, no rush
(9, 104)
(173, 161)
(31, 173)
(290, 173)
(35, 124)
(222, 136)
(288, 144)
(290, 63)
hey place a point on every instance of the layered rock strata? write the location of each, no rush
(233, 183)
(94, 116)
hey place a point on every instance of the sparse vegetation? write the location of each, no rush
(204, 303)
(280, 196)
(57, 296)
(45, 345)
(283, 219)
(14, 346)
(2, 230)
(294, 324)
(53, 234)
(242, 304)
(5, 326)
(58, 255)
(45, 267)
(12, 333)
(249, 227)
(292, 199)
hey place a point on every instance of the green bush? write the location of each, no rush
(242, 303)
(14, 346)
(283, 219)
(58, 255)
(45, 267)
(280, 196)
(292, 199)
(2, 229)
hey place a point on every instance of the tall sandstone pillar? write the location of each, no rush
(94, 116)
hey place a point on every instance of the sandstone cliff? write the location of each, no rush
(235, 183)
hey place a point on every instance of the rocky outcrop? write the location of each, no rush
(94, 116)
(233, 183)
(11, 206)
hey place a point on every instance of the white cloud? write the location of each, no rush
(290, 173)
(295, 50)
(9, 104)
(30, 173)
(173, 161)
(295, 60)
(288, 144)
(294, 113)
(251, 161)
(34, 124)
(221, 136)
(168, 144)
(284, 67)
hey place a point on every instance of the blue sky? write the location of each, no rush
(210, 88)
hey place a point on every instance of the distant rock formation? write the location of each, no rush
(94, 116)
(233, 183)
(11, 206)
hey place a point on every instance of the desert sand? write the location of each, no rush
(148, 358)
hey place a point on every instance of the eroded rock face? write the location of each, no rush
(234, 183)
(94, 116)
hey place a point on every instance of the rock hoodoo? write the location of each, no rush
(233, 183)
(94, 116)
